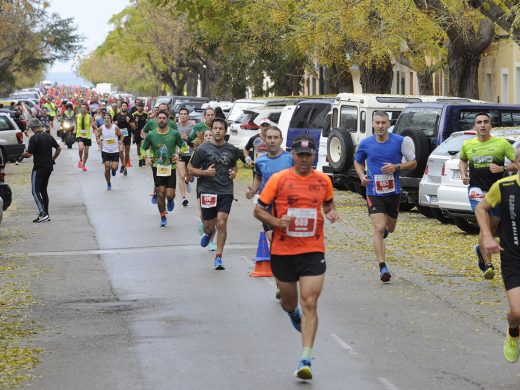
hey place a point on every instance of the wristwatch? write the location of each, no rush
(505, 168)
(397, 167)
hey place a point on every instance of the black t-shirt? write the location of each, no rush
(140, 120)
(123, 121)
(40, 146)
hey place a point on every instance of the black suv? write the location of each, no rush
(429, 124)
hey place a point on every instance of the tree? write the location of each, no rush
(504, 13)
(31, 39)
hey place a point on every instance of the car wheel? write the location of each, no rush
(404, 205)
(361, 190)
(467, 226)
(339, 184)
(422, 151)
(340, 150)
(6, 195)
(439, 216)
(426, 211)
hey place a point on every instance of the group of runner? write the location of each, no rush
(293, 199)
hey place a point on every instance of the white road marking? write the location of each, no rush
(387, 384)
(343, 344)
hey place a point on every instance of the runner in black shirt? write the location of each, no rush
(40, 148)
(139, 121)
(123, 120)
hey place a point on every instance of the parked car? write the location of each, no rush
(430, 124)
(431, 180)
(191, 103)
(235, 114)
(11, 139)
(6, 196)
(453, 193)
(241, 132)
(283, 122)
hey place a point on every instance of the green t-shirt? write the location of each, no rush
(480, 155)
(152, 125)
(163, 146)
(200, 127)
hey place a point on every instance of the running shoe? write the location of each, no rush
(218, 264)
(296, 319)
(164, 221)
(206, 238)
(304, 370)
(109, 186)
(84, 168)
(489, 273)
(212, 246)
(154, 199)
(184, 202)
(41, 217)
(141, 163)
(511, 348)
(385, 275)
(125, 172)
(122, 169)
(170, 205)
(480, 261)
(114, 171)
(80, 164)
(386, 233)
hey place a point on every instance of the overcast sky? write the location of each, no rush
(91, 18)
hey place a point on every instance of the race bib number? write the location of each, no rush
(303, 223)
(384, 183)
(125, 132)
(259, 154)
(164, 170)
(208, 201)
(83, 133)
(476, 194)
(110, 141)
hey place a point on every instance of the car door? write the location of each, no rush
(315, 125)
(298, 123)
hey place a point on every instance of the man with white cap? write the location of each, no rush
(40, 148)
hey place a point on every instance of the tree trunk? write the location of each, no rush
(336, 80)
(377, 78)
(425, 82)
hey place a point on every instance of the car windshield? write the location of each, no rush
(453, 144)
(238, 108)
(424, 119)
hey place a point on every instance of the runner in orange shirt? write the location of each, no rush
(298, 248)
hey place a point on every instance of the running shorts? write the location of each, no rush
(86, 141)
(289, 268)
(510, 270)
(113, 157)
(224, 203)
(388, 205)
(165, 181)
(185, 158)
(475, 195)
(127, 140)
(137, 137)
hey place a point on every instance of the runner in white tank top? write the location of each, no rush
(112, 138)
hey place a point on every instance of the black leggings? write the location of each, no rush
(40, 180)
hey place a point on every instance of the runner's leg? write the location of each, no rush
(107, 171)
(221, 231)
(127, 154)
(310, 290)
(379, 221)
(288, 295)
(85, 154)
(513, 317)
(161, 199)
(494, 221)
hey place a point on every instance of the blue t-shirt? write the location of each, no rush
(267, 166)
(375, 154)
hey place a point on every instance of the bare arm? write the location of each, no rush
(251, 191)
(266, 217)
(482, 214)
(360, 170)
(463, 168)
(210, 171)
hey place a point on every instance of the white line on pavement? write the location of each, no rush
(387, 384)
(343, 344)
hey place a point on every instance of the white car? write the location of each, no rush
(241, 132)
(283, 122)
(453, 193)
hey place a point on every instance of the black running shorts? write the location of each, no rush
(165, 181)
(388, 205)
(224, 203)
(137, 137)
(113, 157)
(86, 141)
(289, 268)
(127, 140)
(510, 270)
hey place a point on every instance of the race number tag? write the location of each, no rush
(384, 183)
(208, 201)
(83, 133)
(110, 141)
(476, 194)
(125, 132)
(303, 223)
(164, 170)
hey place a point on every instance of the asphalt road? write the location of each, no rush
(125, 304)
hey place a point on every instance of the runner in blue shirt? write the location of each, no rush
(381, 155)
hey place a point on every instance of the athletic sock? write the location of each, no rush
(382, 265)
(295, 313)
(307, 353)
(513, 332)
(163, 214)
(218, 255)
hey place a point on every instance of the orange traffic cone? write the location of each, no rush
(262, 258)
(129, 163)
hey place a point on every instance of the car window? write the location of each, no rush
(300, 115)
(5, 124)
(424, 119)
(509, 119)
(348, 118)
(467, 120)
(453, 143)
(274, 117)
(319, 112)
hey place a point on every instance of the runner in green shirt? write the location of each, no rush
(163, 142)
(152, 124)
(199, 129)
